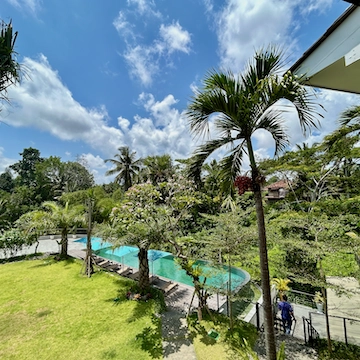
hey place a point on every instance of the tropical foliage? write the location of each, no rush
(221, 214)
(241, 105)
(10, 70)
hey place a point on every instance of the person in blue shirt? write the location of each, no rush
(287, 314)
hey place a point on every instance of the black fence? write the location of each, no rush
(342, 329)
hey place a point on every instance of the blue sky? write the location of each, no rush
(105, 74)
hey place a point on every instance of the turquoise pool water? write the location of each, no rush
(163, 264)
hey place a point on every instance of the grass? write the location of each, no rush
(235, 344)
(49, 311)
(339, 351)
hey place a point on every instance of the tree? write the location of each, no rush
(10, 70)
(240, 105)
(13, 240)
(158, 168)
(126, 166)
(136, 222)
(54, 218)
(55, 177)
(309, 237)
(7, 182)
(77, 177)
(26, 167)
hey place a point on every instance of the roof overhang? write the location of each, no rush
(333, 62)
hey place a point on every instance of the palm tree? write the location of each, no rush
(9, 69)
(158, 168)
(64, 218)
(126, 167)
(240, 105)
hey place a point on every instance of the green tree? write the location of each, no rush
(7, 182)
(26, 167)
(53, 219)
(241, 105)
(55, 177)
(126, 167)
(136, 222)
(10, 70)
(158, 168)
(13, 240)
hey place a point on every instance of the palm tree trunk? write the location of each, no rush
(64, 243)
(144, 282)
(264, 264)
(265, 279)
(89, 269)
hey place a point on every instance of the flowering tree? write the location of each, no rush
(154, 215)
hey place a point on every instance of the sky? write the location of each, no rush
(106, 74)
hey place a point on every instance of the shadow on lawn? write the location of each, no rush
(150, 338)
(54, 260)
(239, 340)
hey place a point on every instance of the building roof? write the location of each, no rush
(333, 61)
(281, 184)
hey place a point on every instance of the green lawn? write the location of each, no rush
(235, 344)
(48, 310)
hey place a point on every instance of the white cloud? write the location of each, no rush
(124, 27)
(145, 61)
(246, 25)
(145, 7)
(334, 103)
(148, 138)
(4, 161)
(142, 63)
(316, 5)
(32, 6)
(94, 162)
(209, 5)
(43, 102)
(175, 38)
(161, 111)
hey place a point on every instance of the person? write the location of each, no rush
(287, 314)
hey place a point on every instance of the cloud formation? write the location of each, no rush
(42, 101)
(145, 59)
(32, 6)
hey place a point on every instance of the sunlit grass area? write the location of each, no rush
(48, 310)
(234, 344)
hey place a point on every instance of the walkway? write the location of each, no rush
(177, 344)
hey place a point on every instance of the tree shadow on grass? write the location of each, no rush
(54, 260)
(150, 338)
(237, 342)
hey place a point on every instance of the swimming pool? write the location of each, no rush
(163, 264)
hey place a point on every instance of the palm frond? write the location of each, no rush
(272, 122)
(349, 115)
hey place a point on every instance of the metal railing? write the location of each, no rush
(310, 333)
(342, 329)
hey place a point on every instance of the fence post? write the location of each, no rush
(310, 330)
(304, 326)
(257, 316)
(345, 333)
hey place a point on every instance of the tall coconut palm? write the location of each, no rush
(239, 105)
(126, 166)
